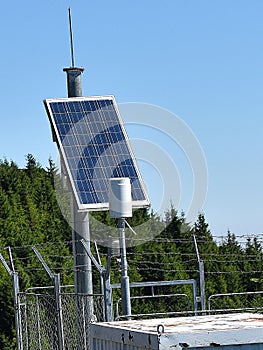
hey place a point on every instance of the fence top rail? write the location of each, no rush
(233, 310)
(33, 291)
(156, 283)
(233, 294)
(159, 296)
(156, 296)
(161, 314)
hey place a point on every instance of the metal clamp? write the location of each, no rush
(160, 329)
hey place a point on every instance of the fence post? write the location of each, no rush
(59, 311)
(15, 279)
(125, 282)
(17, 311)
(107, 297)
(201, 275)
(202, 284)
(56, 279)
(38, 324)
(105, 273)
(107, 286)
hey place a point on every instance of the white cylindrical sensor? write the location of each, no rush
(120, 202)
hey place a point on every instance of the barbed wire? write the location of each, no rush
(200, 239)
(24, 258)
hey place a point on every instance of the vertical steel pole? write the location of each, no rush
(83, 286)
(38, 324)
(201, 275)
(107, 286)
(83, 283)
(202, 284)
(80, 220)
(107, 297)
(195, 297)
(61, 341)
(71, 38)
(105, 280)
(15, 279)
(83, 267)
(56, 280)
(125, 283)
(17, 311)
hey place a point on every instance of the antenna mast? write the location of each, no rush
(71, 38)
(74, 85)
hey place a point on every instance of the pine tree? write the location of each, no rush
(253, 266)
(232, 257)
(208, 251)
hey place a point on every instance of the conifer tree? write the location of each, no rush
(208, 251)
(253, 266)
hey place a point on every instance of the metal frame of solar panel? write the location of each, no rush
(94, 145)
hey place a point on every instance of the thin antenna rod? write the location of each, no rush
(71, 38)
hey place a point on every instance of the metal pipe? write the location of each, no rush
(74, 85)
(56, 280)
(80, 220)
(71, 38)
(83, 267)
(61, 340)
(201, 275)
(202, 284)
(125, 283)
(38, 323)
(15, 279)
(105, 281)
(17, 311)
(107, 288)
(83, 274)
(46, 267)
(156, 283)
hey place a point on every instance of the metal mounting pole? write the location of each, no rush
(120, 205)
(125, 283)
(83, 283)
(201, 275)
(71, 38)
(80, 220)
(107, 287)
(202, 284)
(105, 274)
(80, 225)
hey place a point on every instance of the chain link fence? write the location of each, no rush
(56, 318)
(40, 327)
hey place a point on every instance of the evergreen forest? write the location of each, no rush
(162, 249)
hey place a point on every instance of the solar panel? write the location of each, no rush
(94, 146)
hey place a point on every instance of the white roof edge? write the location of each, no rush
(200, 331)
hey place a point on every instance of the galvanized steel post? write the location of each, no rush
(15, 279)
(74, 85)
(61, 340)
(201, 275)
(125, 283)
(56, 280)
(80, 220)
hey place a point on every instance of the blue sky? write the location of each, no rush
(202, 60)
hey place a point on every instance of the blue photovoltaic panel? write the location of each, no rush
(95, 147)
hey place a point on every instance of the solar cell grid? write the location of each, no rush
(95, 148)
